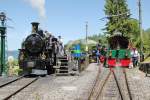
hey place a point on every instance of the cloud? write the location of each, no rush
(39, 5)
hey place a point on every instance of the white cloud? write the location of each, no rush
(39, 5)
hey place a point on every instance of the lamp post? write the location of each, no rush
(3, 33)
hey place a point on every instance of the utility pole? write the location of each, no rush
(141, 32)
(86, 47)
(86, 39)
(3, 35)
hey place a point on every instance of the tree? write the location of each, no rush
(134, 32)
(118, 15)
(97, 37)
(146, 41)
(119, 20)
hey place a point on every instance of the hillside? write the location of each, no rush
(13, 53)
(148, 30)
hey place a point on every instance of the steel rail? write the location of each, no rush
(17, 91)
(103, 85)
(9, 82)
(96, 81)
(128, 88)
(119, 89)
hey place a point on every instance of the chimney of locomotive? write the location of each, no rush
(35, 27)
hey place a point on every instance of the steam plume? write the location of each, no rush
(39, 5)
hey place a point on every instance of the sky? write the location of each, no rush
(61, 17)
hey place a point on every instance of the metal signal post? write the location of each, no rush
(141, 31)
(86, 36)
(86, 40)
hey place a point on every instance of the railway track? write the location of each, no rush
(127, 84)
(9, 82)
(13, 87)
(123, 83)
(95, 83)
(102, 74)
(111, 85)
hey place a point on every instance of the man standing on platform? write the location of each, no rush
(135, 57)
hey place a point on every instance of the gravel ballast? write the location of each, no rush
(139, 84)
(61, 87)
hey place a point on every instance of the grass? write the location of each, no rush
(147, 60)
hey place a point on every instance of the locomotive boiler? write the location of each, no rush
(38, 52)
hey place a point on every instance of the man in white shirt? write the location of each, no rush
(60, 46)
(135, 56)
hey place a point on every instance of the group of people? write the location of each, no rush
(59, 44)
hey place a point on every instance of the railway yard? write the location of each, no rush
(94, 83)
(74, 50)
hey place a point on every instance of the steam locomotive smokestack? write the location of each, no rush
(35, 27)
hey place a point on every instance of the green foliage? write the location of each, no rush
(94, 37)
(99, 37)
(134, 32)
(133, 26)
(147, 60)
(148, 31)
(118, 17)
(123, 23)
(136, 40)
(146, 41)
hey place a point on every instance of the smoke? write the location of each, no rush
(39, 5)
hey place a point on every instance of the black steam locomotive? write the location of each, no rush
(38, 52)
